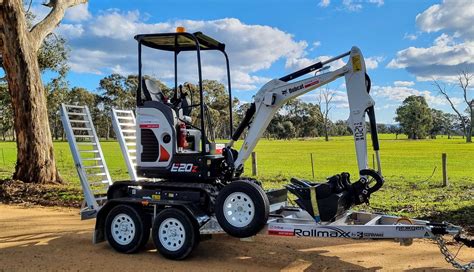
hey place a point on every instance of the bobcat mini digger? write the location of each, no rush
(191, 188)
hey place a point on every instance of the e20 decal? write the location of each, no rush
(184, 168)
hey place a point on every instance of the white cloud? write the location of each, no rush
(451, 15)
(324, 3)
(443, 60)
(377, 2)
(357, 5)
(352, 5)
(302, 62)
(410, 37)
(78, 13)
(399, 93)
(403, 83)
(315, 45)
(373, 62)
(451, 52)
(105, 44)
(70, 30)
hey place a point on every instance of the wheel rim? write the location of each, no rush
(123, 229)
(239, 209)
(171, 234)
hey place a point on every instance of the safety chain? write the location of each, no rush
(450, 258)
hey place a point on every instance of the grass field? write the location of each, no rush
(412, 170)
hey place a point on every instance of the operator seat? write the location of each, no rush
(154, 90)
(158, 100)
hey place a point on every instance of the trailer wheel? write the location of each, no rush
(126, 230)
(242, 208)
(174, 234)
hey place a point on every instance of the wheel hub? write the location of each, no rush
(239, 209)
(172, 234)
(123, 229)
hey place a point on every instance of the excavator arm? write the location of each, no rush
(273, 95)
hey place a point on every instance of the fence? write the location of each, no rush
(400, 165)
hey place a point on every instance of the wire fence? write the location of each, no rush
(313, 164)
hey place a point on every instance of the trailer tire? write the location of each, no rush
(242, 208)
(127, 231)
(174, 234)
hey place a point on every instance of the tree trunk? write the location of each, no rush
(326, 133)
(35, 156)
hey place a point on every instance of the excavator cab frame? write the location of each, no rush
(178, 42)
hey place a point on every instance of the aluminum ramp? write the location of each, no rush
(88, 157)
(124, 124)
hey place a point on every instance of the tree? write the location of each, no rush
(57, 92)
(442, 123)
(325, 99)
(395, 129)
(289, 131)
(117, 91)
(19, 46)
(414, 117)
(464, 83)
(6, 114)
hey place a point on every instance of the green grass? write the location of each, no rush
(412, 170)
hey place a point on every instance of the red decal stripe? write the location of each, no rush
(311, 84)
(280, 233)
(149, 125)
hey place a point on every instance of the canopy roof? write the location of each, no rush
(180, 41)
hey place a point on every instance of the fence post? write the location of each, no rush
(312, 164)
(444, 161)
(254, 163)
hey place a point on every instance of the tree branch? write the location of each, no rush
(442, 90)
(464, 78)
(39, 32)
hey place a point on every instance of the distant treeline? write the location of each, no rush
(295, 119)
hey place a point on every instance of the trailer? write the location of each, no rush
(183, 188)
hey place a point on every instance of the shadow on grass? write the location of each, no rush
(463, 216)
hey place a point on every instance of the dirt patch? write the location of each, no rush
(52, 239)
(18, 192)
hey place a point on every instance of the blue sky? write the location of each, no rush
(406, 43)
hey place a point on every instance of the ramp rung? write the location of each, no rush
(93, 167)
(130, 137)
(132, 143)
(89, 151)
(74, 107)
(92, 159)
(128, 130)
(132, 151)
(79, 121)
(133, 157)
(76, 113)
(122, 111)
(127, 124)
(86, 143)
(81, 128)
(96, 174)
(125, 117)
(84, 136)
